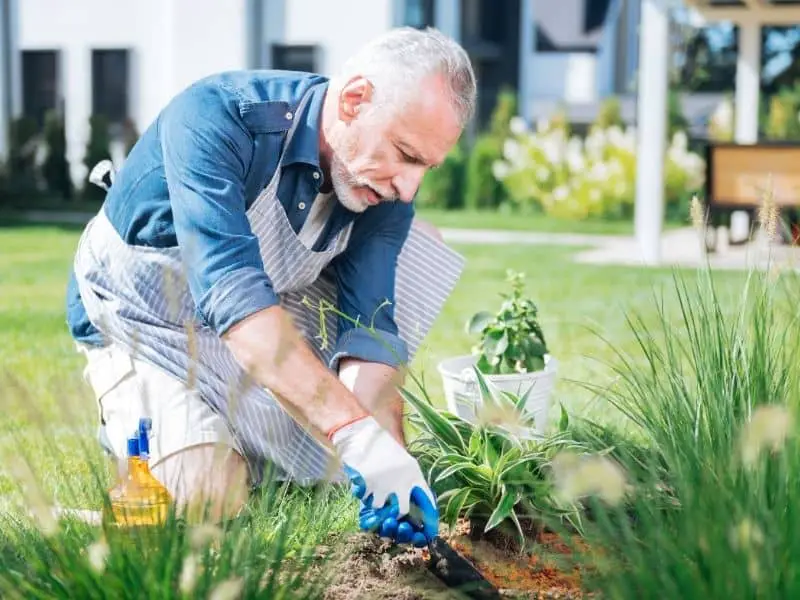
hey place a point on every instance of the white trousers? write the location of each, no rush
(192, 451)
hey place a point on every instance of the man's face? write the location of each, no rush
(381, 155)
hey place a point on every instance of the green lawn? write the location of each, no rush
(49, 414)
(40, 366)
(486, 219)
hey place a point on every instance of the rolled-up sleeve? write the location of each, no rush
(365, 275)
(206, 151)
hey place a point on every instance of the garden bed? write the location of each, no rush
(368, 567)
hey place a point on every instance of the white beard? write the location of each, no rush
(342, 187)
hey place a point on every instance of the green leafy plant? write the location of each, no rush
(488, 472)
(511, 339)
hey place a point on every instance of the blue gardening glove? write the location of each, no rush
(418, 528)
(387, 479)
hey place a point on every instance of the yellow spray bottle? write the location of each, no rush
(140, 499)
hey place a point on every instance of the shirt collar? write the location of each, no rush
(304, 146)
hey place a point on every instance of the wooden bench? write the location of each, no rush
(739, 177)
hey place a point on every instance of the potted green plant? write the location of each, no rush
(511, 354)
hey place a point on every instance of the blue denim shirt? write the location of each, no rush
(201, 164)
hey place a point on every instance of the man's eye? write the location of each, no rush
(407, 157)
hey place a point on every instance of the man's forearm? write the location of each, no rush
(272, 351)
(376, 387)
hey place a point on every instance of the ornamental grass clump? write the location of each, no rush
(711, 398)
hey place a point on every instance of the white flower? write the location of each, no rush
(723, 114)
(574, 154)
(745, 535)
(542, 125)
(579, 476)
(595, 144)
(511, 150)
(189, 573)
(98, 553)
(615, 136)
(203, 534)
(680, 141)
(767, 429)
(600, 171)
(500, 170)
(517, 125)
(561, 193)
(553, 149)
(227, 590)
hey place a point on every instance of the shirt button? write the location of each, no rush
(301, 206)
(289, 116)
(316, 175)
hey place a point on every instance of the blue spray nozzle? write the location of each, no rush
(145, 424)
(133, 447)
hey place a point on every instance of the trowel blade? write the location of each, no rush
(459, 573)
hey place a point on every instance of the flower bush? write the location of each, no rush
(567, 176)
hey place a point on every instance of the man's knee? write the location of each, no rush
(208, 482)
(428, 228)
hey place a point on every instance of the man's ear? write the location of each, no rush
(354, 95)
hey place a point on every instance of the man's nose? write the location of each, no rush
(407, 183)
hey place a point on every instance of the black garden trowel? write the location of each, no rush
(458, 572)
(453, 569)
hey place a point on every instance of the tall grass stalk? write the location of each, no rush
(711, 511)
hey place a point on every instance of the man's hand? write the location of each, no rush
(396, 500)
(376, 387)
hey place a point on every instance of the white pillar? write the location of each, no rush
(526, 42)
(748, 82)
(10, 72)
(651, 125)
(447, 17)
(77, 77)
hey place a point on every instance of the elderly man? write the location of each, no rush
(255, 281)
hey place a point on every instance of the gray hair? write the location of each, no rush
(398, 60)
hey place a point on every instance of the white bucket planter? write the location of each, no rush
(463, 394)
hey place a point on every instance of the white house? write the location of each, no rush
(127, 59)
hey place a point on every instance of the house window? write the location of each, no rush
(295, 58)
(419, 13)
(110, 84)
(39, 83)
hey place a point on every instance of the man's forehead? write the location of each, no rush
(426, 134)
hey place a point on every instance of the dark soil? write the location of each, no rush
(367, 567)
(375, 568)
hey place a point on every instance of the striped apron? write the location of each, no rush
(139, 298)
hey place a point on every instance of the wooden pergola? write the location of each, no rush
(750, 16)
